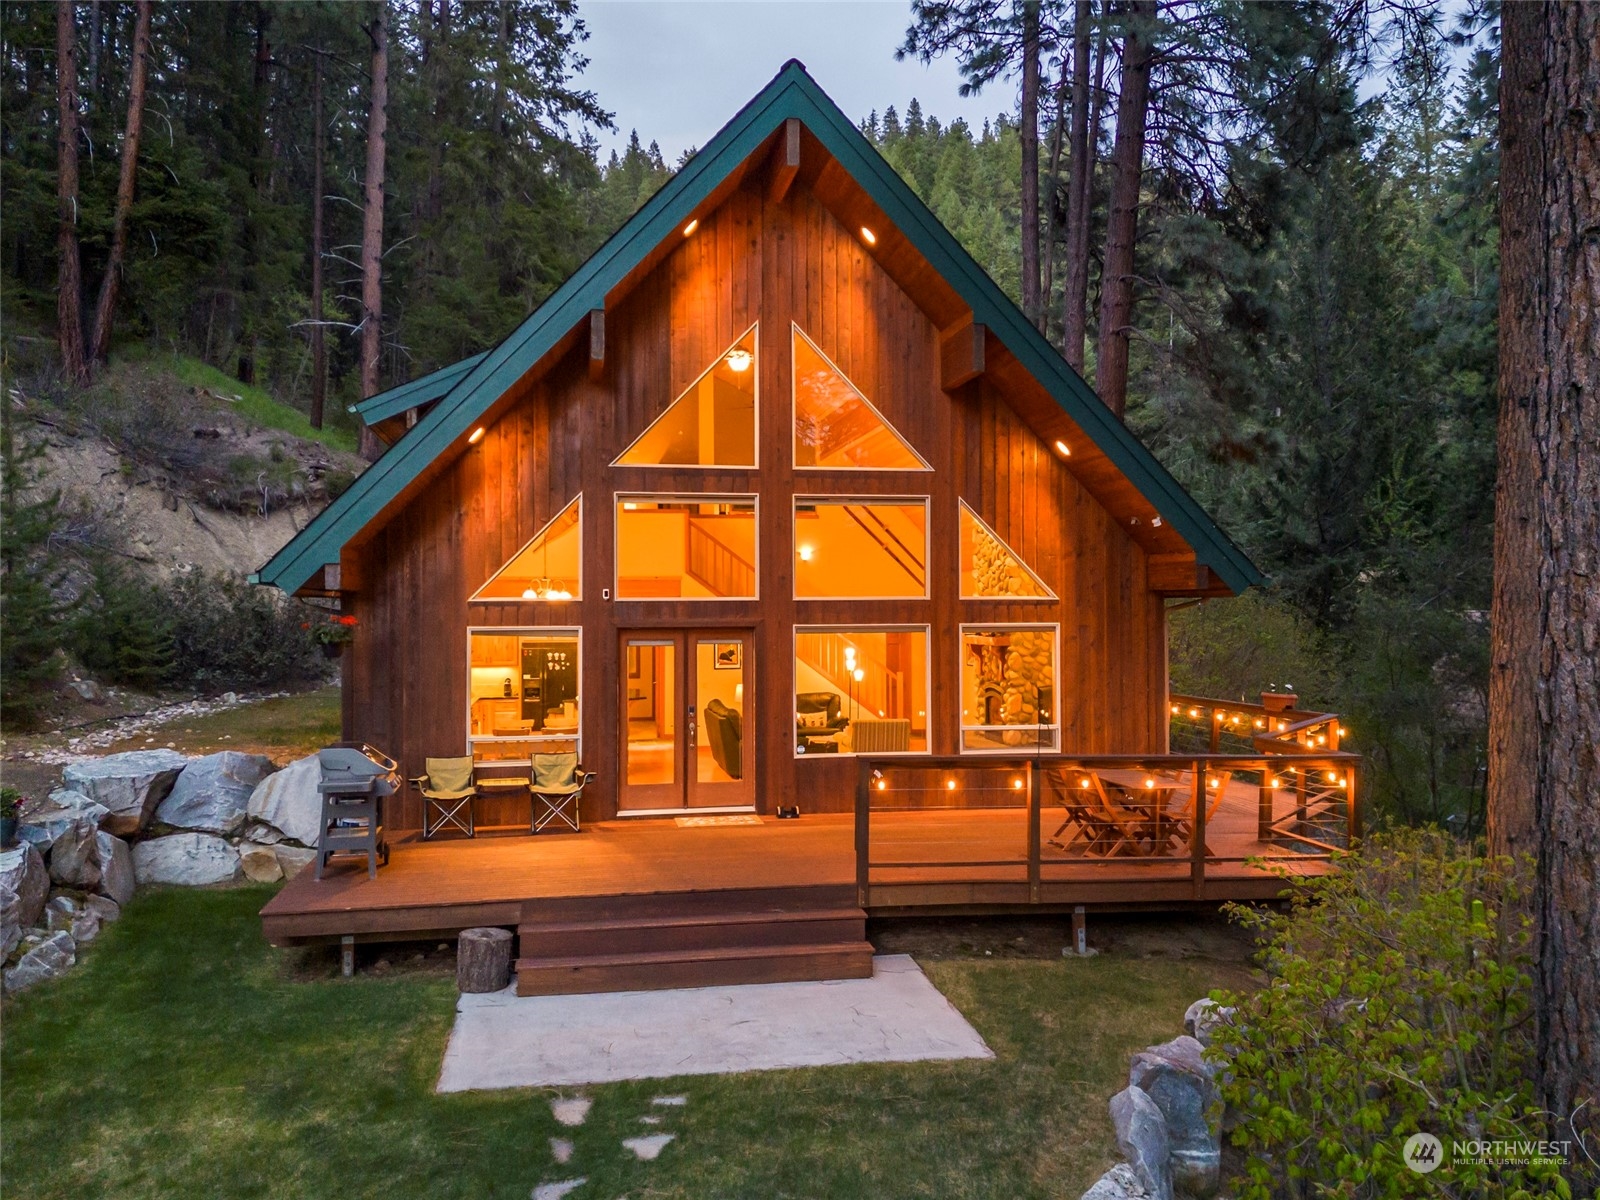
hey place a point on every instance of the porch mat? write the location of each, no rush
(503, 1040)
(704, 822)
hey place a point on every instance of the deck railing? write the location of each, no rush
(1037, 827)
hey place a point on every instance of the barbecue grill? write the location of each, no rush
(355, 779)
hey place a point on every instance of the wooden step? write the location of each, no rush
(704, 931)
(652, 970)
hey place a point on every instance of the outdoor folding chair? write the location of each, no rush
(1097, 827)
(448, 790)
(1182, 818)
(557, 785)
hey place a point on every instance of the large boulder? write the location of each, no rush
(289, 802)
(130, 785)
(116, 869)
(1176, 1076)
(75, 857)
(46, 960)
(260, 862)
(213, 793)
(43, 821)
(1142, 1138)
(186, 859)
(1119, 1183)
(24, 887)
(294, 859)
(1203, 1018)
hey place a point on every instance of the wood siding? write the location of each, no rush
(776, 263)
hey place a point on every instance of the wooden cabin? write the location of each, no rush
(778, 485)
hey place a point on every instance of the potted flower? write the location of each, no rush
(1279, 698)
(10, 810)
(333, 634)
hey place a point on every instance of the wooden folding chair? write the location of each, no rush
(1182, 818)
(1097, 825)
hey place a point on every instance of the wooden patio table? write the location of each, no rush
(510, 783)
(1150, 803)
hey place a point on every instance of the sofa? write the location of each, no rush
(724, 731)
(818, 717)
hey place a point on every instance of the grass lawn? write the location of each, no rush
(183, 1056)
(260, 406)
(287, 728)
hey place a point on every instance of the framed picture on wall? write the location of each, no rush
(729, 655)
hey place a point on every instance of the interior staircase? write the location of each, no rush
(691, 939)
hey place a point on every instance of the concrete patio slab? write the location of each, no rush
(503, 1040)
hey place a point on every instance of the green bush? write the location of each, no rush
(1400, 1003)
(231, 634)
(122, 631)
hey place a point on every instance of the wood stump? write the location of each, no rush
(483, 960)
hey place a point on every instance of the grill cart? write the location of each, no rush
(355, 779)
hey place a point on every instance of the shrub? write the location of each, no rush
(228, 633)
(123, 629)
(1400, 1003)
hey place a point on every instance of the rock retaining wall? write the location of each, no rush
(137, 818)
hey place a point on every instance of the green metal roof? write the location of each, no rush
(792, 93)
(421, 391)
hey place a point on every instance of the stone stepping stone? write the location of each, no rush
(561, 1150)
(650, 1120)
(670, 1101)
(647, 1149)
(571, 1111)
(554, 1191)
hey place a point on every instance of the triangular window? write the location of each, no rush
(990, 569)
(835, 426)
(549, 567)
(712, 423)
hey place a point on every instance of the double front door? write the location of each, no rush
(687, 722)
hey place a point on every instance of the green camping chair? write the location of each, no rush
(448, 791)
(558, 783)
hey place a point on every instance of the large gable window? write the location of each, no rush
(686, 547)
(1009, 689)
(712, 423)
(866, 548)
(549, 567)
(835, 425)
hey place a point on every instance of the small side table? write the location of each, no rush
(499, 785)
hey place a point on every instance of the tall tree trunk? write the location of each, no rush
(255, 233)
(1546, 614)
(69, 270)
(1080, 190)
(1030, 161)
(319, 345)
(372, 223)
(94, 47)
(1052, 199)
(105, 307)
(1127, 167)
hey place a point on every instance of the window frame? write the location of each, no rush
(809, 498)
(880, 627)
(962, 727)
(794, 411)
(522, 631)
(617, 499)
(755, 451)
(478, 597)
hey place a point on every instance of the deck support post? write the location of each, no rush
(1352, 810)
(1264, 798)
(1197, 838)
(1033, 834)
(347, 955)
(1080, 931)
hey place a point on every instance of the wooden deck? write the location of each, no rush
(435, 889)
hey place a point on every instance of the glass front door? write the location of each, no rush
(687, 721)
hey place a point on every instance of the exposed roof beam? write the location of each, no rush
(597, 343)
(785, 161)
(961, 353)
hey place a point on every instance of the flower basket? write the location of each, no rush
(1277, 702)
(333, 633)
(332, 649)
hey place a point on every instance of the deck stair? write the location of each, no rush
(691, 939)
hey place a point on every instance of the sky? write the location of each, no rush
(678, 70)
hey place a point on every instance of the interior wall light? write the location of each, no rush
(739, 360)
(806, 552)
